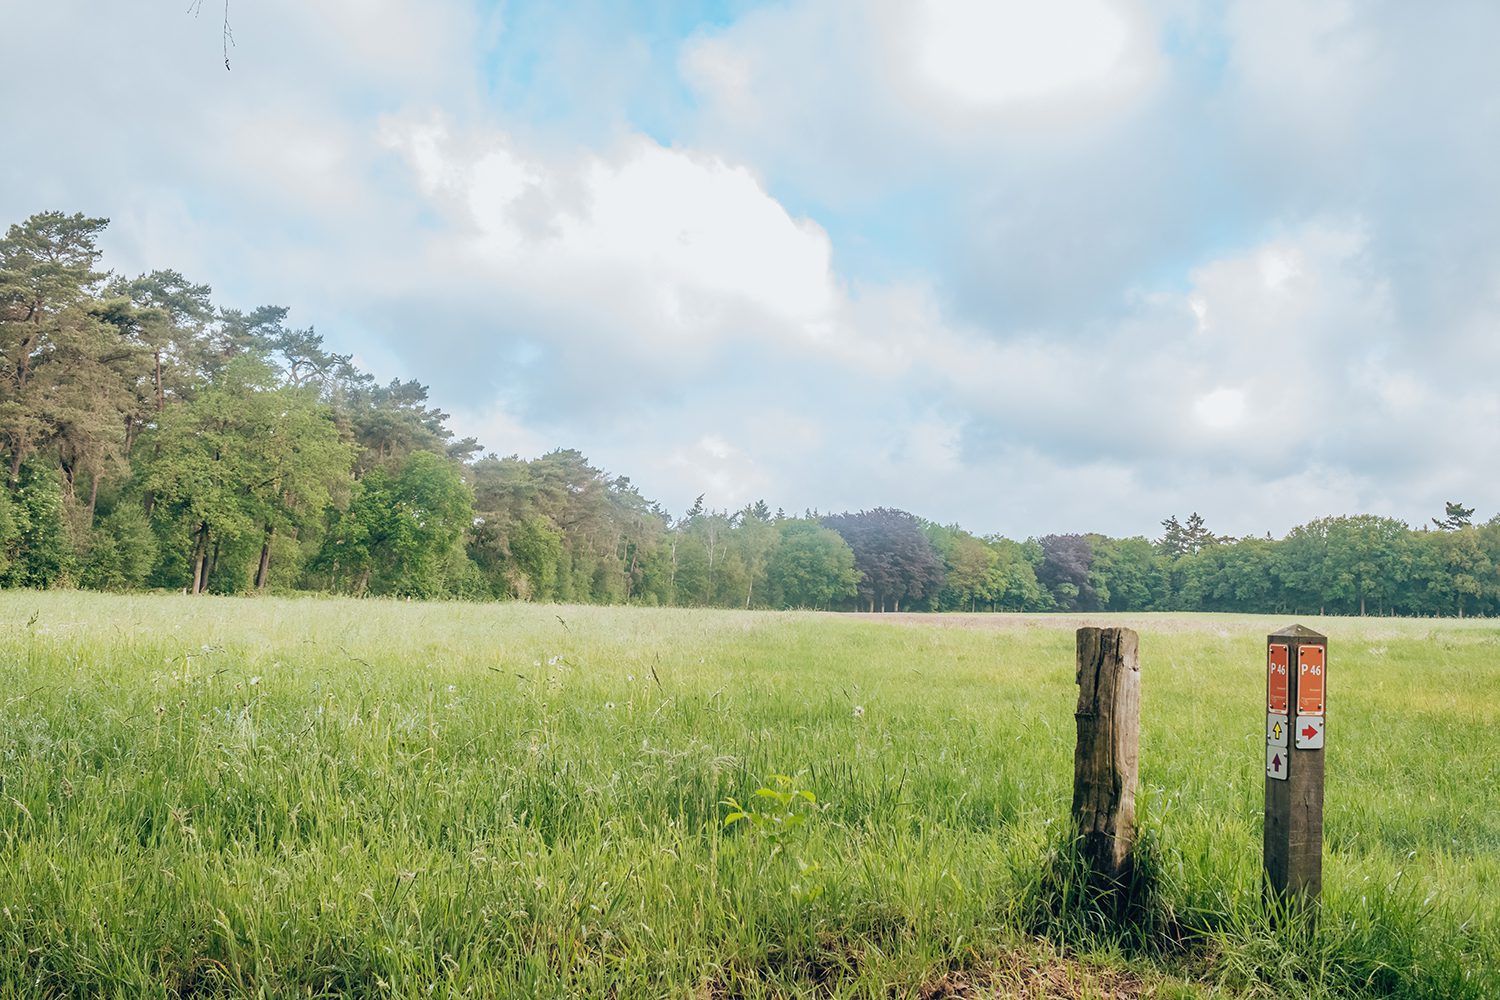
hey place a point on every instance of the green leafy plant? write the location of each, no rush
(779, 813)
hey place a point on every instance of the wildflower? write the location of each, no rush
(859, 711)
(255, 680)
(609, 706)
(452, 688)
(630, 678)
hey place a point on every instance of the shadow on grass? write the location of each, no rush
(1073, 904)
(1379, 948)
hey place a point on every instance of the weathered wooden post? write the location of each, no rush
(1296, 675)
(1106, 761)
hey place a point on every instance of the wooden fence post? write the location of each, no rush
(1296, 707)
(1106, 761)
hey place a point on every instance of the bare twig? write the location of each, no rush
(196, 7)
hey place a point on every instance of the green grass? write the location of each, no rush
(220, 797)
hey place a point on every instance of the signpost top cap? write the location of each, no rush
(1296, 632)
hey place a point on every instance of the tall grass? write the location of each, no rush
(221, 797)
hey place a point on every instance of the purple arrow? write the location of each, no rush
(1276, 762)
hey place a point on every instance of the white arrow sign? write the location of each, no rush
(1309, 730)
(1276, 762)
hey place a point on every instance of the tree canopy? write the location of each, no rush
(151, 438)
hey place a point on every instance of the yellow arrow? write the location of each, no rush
(1277, 731)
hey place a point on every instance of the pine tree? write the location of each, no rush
(1455, 516)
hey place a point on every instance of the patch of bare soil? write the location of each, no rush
(1024, 976)
(1039, 973)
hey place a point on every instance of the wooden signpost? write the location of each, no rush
(1296, 678)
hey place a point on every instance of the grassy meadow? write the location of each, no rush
(302, 798)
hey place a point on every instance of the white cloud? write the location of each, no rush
(500, 430)
(1148, 291)
(846, 99)
(1221, 408)
(1001, 52)
(1311, 67)
(680, 247)
(727, 477)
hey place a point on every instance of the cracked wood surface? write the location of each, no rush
(1106, 761)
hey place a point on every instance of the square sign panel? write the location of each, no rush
(1276, 678)
(1311, 673)
(1276, 762)
(1277, 730)
(1309, 731)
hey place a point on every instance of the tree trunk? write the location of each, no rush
(69, 481)
(200, 556)
(1106, 760)
(263, 570)
(672, 574)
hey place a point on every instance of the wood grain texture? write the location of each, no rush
(1106, 761)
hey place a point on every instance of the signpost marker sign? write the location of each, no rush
(1296, 710)
(1312, 662)
(1277, 681)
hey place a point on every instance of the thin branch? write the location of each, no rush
(228, 35)
(195, 7)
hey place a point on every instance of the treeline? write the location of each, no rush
(154, 440)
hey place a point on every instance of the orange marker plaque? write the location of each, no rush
(1311, 664)
(1276, 679)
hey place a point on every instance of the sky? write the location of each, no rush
(1028, 267)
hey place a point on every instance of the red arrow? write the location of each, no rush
(1309, 732)
(1276, 762)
